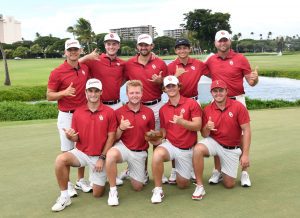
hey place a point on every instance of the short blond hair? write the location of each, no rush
(134, 83)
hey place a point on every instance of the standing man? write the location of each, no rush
(134, 120)
(188, 71)
(232, 68)
(109, 69)
(93, 129)
(66, 86)
(180, 119)
(223, 122)
(150, 71)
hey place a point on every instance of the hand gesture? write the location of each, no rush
(210, 125)
(254, 74)
(70, 133)
(125, 124)
(70, 91)
(94, 55)
(177, 119)
(179, 71)
(156, 78)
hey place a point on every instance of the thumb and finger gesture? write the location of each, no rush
(156, 78)
(70, 132)
(176, 118)
(211, 125)
(125, 124)
(70, 91)
(179, 71)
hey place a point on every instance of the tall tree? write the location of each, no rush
(7, 78)
(269, 35)
(205, 24)
(83, 30)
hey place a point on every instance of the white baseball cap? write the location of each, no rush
(170, 80)
(222, 34)
(72, 43)
(145, 38)
(112, 36)
(93, 83)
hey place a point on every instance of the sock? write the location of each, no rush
(113, 188)
(64, 194)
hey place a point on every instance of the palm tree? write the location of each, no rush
(7, 78)
(260, 36)
(269, 35)
(252, 34)
(83, 30)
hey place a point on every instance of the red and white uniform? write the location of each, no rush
(136, 71)
(227, 122)
(189, 80)
(61, 78)
(179, 136)
(231, 70)
(142, 120)
(110, 73)
(93, 128)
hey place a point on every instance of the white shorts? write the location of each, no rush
(98, 178)
(135, 161)
(115, 106)
(229, 158)
(241, 99)
(64, 120)
(183, 159)
(155, 108)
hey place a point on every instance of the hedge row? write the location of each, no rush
(15, 111)
(26, 93)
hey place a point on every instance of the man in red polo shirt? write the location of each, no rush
(66, 85)
(232, 68)
(223, 122)
(180, 119)
(134, 119)
(109, 69)
(150, 71)
(93, 129)
(188, 71)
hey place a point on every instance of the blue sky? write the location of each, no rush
(280, 18)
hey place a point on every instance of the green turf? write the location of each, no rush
(28, 186)
(36, 71)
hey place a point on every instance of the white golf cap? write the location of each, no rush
(144, 38)
(93, 83)
(112, 36)
(222, 34)
(170, 80)
(72, 43)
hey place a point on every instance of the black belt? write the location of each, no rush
(137, 150)
(230, 147)
(234, 98)
(111, 102)
(151, 102)
(186, 149)
(195, 97)
(70, 112)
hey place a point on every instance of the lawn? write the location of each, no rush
(28, 186)
(29, 72)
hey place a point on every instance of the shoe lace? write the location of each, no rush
(84, 182)
(70, 186)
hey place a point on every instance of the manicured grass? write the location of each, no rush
(32, 72)
(28, 186)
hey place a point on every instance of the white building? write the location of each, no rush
(10, 30)
(176, 33)
(132, 33)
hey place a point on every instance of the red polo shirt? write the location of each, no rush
(231, 70)
(135, 70)
(110, 73)
(60, 79)
(142, 120)
(93, 128)
(189, 80)
(178, 135)
(227, 122)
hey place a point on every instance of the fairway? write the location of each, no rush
(32, 72)
(29, 189)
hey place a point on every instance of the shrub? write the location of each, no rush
(26, 93)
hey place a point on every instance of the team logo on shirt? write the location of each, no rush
(182, 111)
(83, 72)
(100, 117)
(231, 63)
(230, 114)
(144, 117)
(153, 66)
(118, 64)
(193, 67)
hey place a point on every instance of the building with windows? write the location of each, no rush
(10, 30)
(176, 33)
(131, 33)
